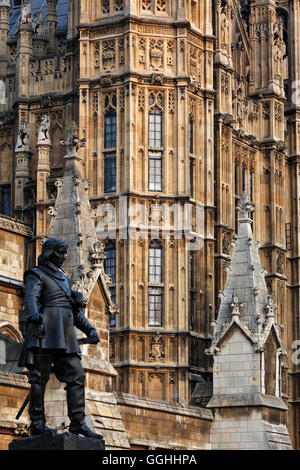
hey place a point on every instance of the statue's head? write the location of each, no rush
(54, 250)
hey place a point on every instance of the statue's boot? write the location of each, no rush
(76, 412)
(39, 427)
(83, 429)
(36, 411)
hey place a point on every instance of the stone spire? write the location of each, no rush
(247, 354)
(245, 298)
(72, 221)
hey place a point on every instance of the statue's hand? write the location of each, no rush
(94, 335)
(35, 317)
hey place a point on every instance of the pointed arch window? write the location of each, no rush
(155, 286)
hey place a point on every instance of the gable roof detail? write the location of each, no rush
(245, 299)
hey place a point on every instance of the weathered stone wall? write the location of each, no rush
(13, 390)
(13, 262)
(237, 369)
(156, 424)
(249, 429)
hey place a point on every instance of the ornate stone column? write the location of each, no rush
(23, 154)
(43, 172)
(51, 23)
(25, 51)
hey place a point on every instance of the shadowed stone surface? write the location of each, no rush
(65, 441)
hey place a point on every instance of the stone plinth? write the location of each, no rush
(49, 442)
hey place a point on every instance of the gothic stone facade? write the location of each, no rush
(183, 104)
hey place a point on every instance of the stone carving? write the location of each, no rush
(22, 144)
(280, 264)
(270, 307)
(98, 255)
(119, 5)
(141, 99)
(146, 5)
(96, 54)
(278, 56)
(224, 29)
(43, 130)
(26, 16)
(226, 243)
(105, 6)
(245, 206)
(108, 54)
(38, 24)
(235, 307)
(194, 63)
(5, 138)
(161, 5)
(157, 79)
(156, 54)
(266, 110)
(72, 142)
(156, 351)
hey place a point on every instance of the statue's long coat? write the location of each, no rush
(48, 291)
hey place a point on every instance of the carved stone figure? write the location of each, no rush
(278, 55)
(23, 138)
(26, 16)
(72, 141)
(38, 24)
(43, 129)
(224, 30)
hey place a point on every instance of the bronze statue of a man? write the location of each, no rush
(50, 302)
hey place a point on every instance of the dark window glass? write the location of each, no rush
(110, 268)
(110, 173)
(244, 179)
(191, 134)
(155, 171)
(110, 129)
(192, 280)
(192, 293)
(236, 190)
(155, 128)
(236, 216)
(191, 177)
(110, 261)
(6, 200)
(251, 185)
(192, 311)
